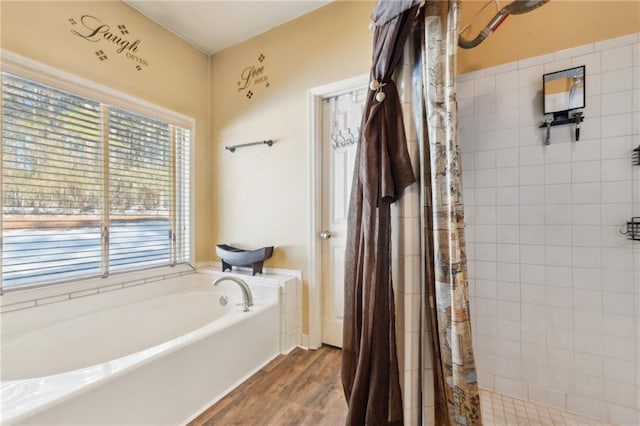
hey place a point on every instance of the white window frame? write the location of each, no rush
(36, 71)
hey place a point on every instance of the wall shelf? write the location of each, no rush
(559, 120)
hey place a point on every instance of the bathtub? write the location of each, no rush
(158, 353)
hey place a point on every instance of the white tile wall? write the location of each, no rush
(406, 262)
(63, 292)
(556, 288)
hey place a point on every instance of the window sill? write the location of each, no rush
(27, 298)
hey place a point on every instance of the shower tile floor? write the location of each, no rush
(502, 410)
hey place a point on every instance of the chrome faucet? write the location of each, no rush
(246, 291)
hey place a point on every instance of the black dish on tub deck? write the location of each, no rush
(233, 256)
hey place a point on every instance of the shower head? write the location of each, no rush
(516, 7)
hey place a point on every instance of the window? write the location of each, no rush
(88, 188)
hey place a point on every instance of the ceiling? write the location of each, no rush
(213, 25)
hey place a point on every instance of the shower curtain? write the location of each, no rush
(382, 170)
(457, 401)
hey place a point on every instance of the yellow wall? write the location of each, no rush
(261, 193)
(557, 25)
(177, 75)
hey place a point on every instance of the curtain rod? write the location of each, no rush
(232, 148)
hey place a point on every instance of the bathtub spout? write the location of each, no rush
(246, 291)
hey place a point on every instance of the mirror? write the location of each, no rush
(564, 91)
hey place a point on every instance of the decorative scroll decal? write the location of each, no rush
(253, 75)
(95, 31)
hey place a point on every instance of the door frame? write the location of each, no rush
(314, 99)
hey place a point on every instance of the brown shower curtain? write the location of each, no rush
(457, 401)
(382, 170)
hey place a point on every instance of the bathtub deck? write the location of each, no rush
(302, 388)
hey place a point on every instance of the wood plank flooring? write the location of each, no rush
(301, 388)
(304, 389)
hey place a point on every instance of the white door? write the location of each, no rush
(341, 117)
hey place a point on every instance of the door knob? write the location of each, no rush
(325, 235)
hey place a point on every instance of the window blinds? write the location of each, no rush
(139, 190)
(87, 188)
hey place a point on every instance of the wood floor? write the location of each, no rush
(301, 388)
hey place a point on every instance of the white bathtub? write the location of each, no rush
(157, 353)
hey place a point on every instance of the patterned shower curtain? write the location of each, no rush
(457, 399)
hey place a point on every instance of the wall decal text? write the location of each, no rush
(94, 30)
(253, 75)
